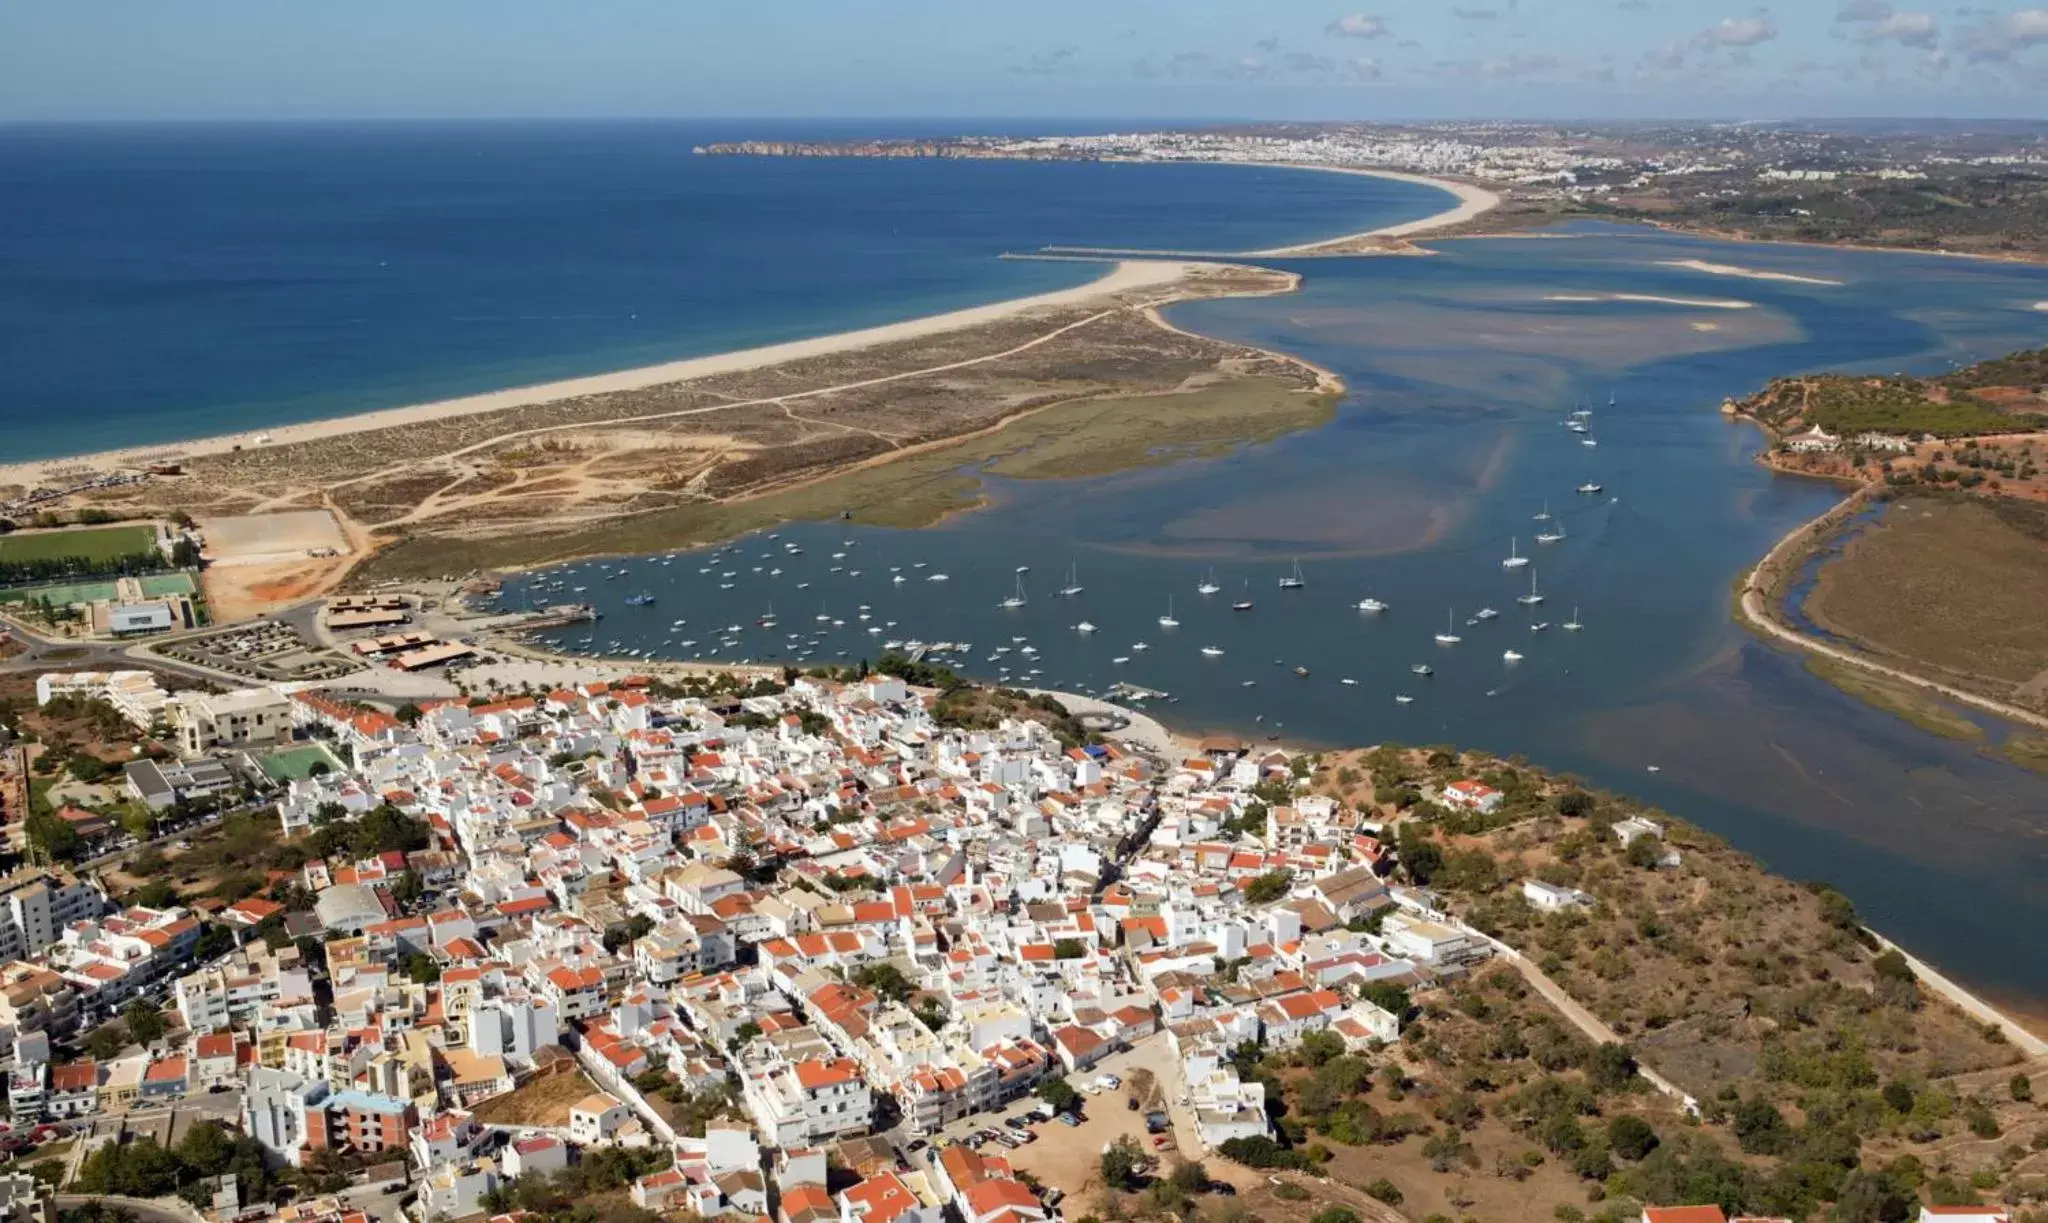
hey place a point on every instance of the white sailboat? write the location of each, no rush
(1293, 581)
(1073, 586)
(1208, 586)
(1573, 625)
(1515, 560)
(1543, 515)
(1534, 596)
(1015, 600)
(1210, 651)
(1552, 536)
(1244, 604)
(1167, 620)
(1447, 637)
(1510, 656)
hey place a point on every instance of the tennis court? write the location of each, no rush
(296, 763)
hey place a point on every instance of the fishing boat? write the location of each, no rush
(1207, 586)
(1015, 600)
(1167, 620)
(1371, 605)
(1293, 581)
(1302, 672)
(935, 577)
(1402, 698)
(1573, 625)
(1244, 604)
(1577, 426)
(1023, 569)
(1589, 487)
(1515, 560)
(1447, 637)
(1510, 656)
(1073, 586)
(639, 600)
(1139, 645)
(1485, 613)
(1084, 627)
(1348, 682)
(1210, 651)
(1539, 626)
(1120, 659)
(1534, 596)
(1423, 668)
(1587, 441)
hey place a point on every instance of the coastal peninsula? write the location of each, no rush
(1927, 581)
(694, 451)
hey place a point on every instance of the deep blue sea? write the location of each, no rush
(161, 282)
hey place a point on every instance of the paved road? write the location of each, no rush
(148, 1210)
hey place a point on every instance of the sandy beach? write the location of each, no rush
(1124, 277)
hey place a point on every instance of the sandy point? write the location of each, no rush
(1730, 269)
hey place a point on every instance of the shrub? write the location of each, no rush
(1384, 1190)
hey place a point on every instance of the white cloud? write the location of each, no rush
(1365, 68)
(1999, 37)
(1907, 29)
(1358, 25)
(1738, 32)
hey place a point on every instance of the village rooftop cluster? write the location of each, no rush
(814, 906)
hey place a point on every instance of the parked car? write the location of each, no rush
(1016, 1123)
(1131, 1102)
(1069, 1119)
(1162, 1141)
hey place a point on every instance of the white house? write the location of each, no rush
(1550, 898)
(1473, 796)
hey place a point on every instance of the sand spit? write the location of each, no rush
(1730, 269)
(1472, 202)
(1703, 303)
(1123, 278)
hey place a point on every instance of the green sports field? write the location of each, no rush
(90, 543)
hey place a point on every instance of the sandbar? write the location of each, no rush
(1704, 303)
(1730, 269)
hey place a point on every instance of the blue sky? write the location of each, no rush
(1367, 59)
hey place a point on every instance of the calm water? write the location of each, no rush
(1463, 369)
(162, 282)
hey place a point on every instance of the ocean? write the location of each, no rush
(161, 282)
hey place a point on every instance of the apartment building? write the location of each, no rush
(242, 718)
(809, 1101)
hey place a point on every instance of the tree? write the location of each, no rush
(884, 979)
(157, 894)
(1120, 1161)
(2021, 1087)
(1388, 997)
(1574, 803)
(1419, 856)
(1268, 887)
(1059, 1093)
(1335, 1214)
(1321, 1046)
(145, 1022)
(1631, 1137)
(1898, 1097)
(1760, 1128)
(1611, 1068)
(106, 1042)
(1069, 949)
(421, 969)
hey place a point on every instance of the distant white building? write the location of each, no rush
(1473, 796)
(135, 694)
(1224, 1105)
(1550, 898)
(134, 619)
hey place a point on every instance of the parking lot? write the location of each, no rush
(266, 652)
